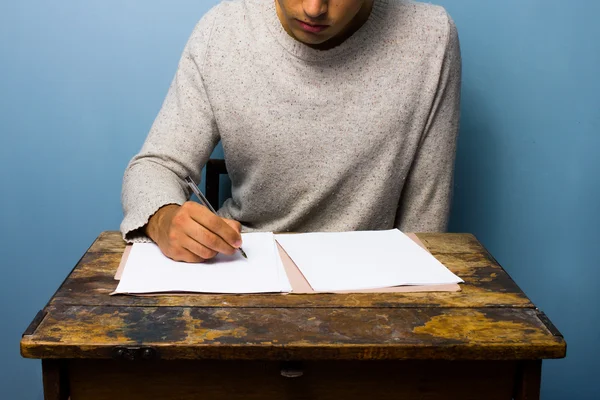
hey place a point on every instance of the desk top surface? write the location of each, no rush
(491, 318)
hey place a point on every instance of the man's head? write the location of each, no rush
(322, 23)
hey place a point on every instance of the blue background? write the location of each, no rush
(81, 82)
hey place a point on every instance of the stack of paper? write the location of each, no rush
(363, 260)
(149, 271)
(330, 262)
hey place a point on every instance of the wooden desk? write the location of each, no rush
(485, 342)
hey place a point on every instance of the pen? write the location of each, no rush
(205, 202)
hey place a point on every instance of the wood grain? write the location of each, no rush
(294, 333)
(334, 380)
(112, 242)
(108, 242)
(486, 283)
(486, 341)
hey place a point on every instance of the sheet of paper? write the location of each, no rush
(300, 284)
(341, 261)
(147, 270)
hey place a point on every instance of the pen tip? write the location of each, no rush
(243, 253)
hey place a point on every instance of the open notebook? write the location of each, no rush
(346, 262)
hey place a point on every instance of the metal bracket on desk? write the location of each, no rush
(135, 353)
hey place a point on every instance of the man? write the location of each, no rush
(334, 115)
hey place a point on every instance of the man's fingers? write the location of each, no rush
(213, 223)
(183, 254)
(198, 249)
(207, 239)
(234, 224)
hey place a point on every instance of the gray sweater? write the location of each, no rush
(359, 137)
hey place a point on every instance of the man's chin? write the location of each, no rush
(310, 40)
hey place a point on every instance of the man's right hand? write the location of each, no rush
(192, 233)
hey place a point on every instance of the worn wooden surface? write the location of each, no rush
(283, 333)
(232, 380)
(490, 319)
(487, 284)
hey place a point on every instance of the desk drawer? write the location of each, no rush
(248, 380)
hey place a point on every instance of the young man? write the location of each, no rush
(334, 115)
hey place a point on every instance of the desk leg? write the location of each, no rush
(56, 383)
(528, 380)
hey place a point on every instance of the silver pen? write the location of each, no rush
(205, 202)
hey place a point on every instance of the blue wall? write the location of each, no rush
(528, 169)
(81, 82)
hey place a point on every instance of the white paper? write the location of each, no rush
(337, 261)
(148, 270)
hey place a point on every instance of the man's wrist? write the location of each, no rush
(152, 228)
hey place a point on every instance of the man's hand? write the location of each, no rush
(192, 233)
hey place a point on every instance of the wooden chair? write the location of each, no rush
(214, 169)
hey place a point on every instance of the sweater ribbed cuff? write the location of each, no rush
(133, 223)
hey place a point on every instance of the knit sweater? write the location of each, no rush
(358, 137)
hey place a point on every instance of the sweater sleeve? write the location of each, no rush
(179, 143)
(427, 193)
